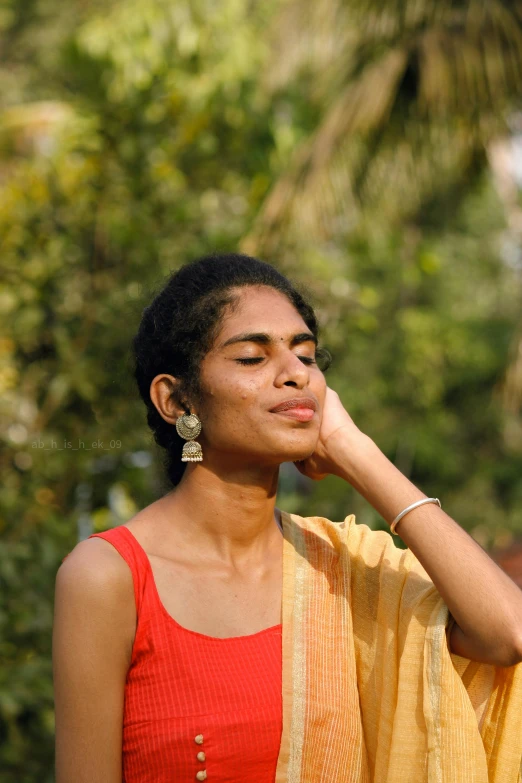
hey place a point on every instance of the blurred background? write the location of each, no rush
(370, 150)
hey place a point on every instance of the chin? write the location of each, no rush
(289, 448)
(299, 453)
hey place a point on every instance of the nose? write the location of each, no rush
(292, 372)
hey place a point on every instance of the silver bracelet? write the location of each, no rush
(409, 508)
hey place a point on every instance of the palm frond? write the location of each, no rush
(414, 72)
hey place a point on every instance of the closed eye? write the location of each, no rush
(257, 359)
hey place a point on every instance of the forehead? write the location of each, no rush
(261, 309)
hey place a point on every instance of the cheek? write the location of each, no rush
(232, 401)
(234, 389)
(322, 397)
(318, 385)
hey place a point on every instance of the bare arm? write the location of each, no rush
(485, 603)
(93, 631)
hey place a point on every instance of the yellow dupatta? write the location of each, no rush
(371, 692)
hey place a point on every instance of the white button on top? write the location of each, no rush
(199, 739)
(201, 756)
(202, 774)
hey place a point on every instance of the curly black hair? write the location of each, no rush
(180, 325)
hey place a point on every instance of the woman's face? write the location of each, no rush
(263, 355)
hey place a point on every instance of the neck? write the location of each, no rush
(231, 514)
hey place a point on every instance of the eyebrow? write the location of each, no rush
(265, 339)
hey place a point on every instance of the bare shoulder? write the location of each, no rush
(94, 578)
(95, 562)
(93, 633)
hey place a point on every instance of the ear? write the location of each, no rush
(166, 394)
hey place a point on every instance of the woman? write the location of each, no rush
(215, 636)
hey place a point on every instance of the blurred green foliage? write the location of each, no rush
(135, 136)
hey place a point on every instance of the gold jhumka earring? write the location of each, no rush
(188, 427)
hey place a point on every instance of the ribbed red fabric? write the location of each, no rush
(181, 684)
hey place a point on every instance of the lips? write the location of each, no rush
(301, 402)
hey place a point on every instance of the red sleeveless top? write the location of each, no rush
(196, 707)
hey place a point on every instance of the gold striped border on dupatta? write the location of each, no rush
(455, 749)
(294, 664)
(322, 729)
(432, 674)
